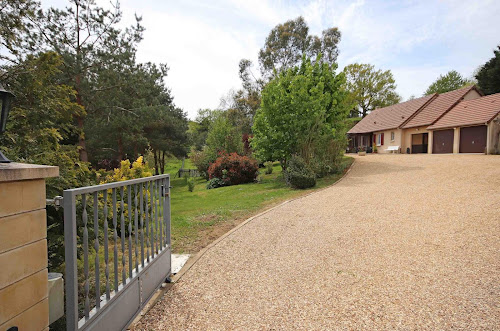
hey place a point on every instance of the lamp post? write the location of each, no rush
(5, 99)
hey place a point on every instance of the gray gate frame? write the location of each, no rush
(114, 314)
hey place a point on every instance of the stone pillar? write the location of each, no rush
(456, 141)
(23, 246)
(430, 142)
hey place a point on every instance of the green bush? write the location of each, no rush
(202, 160)
(191, 184)
(269, 167)
(215, 183)
(298, 174)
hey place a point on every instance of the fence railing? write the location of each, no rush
(113, 234)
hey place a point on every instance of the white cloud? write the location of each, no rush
(203, 41)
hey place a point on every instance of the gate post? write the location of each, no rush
(23, 246)
(71, 280)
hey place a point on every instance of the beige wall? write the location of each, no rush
(387, 140)
(23, 247)
(406, 141)
(472, 94)
(493, 139)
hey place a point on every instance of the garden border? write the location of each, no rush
(174, 279)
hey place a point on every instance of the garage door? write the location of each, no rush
(442, 141)
(473, 139)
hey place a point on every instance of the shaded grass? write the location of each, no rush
(203, 215)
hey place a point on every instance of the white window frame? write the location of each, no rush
(379, 139)
(393, 136)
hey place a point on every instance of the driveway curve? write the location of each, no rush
(402, 242)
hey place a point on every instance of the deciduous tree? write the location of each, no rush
(302, 112)
(449, 82)
(369, 88)
(288, 42)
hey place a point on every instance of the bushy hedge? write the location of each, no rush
(298, 174)
(234, 169)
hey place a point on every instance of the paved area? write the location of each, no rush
(403, 242)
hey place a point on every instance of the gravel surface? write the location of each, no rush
(403, 242)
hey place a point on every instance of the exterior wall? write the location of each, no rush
(472, 94)
(398, 139)
(406, 141)
(493, 139)
(23, 247)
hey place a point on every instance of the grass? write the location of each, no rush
(201, 216)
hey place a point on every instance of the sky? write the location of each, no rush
(202, 42)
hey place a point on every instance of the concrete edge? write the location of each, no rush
(162, 290)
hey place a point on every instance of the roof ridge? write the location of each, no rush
(434, 97)
(456, 103)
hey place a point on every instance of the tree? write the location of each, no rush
(288, 42)
(449, 82)
(89, 40)
(488, 76)
(302, 112)
(14, 15)
(198, 129)
(369, 88)
(115, 127)
(166, 131)
(223, 137)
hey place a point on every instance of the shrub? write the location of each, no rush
(298, 174)
(269, 167)
(234, 169)
(127, 171)
(191, 184)
(215, 182)
(201, 160)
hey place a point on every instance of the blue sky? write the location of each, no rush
(203, 41)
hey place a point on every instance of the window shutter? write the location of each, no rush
(374, 138)
(381, 139)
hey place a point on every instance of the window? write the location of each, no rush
(392, 136)
(379, 139)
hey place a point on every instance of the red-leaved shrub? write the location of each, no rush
(234, 169)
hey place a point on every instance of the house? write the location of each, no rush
(472, 126)
(404, 127)
(382, 127)
(415, 132)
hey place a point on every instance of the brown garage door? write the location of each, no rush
(442, 141)
(473, 139)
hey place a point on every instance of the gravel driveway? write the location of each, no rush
(403, 242)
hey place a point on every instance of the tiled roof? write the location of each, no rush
(470, 112)
(437, 107)
(390, 117)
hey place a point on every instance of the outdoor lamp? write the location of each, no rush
(5, 99)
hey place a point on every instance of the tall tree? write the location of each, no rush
(14, 17)
(89, 40)
(488, 76)
(369, 88)
(303, 112)
(115, 128)
(449, 82)
(288, 42)
(166, 130)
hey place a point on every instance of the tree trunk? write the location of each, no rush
(156, 162)
(82, 147)
(120, 149)
(163, 163)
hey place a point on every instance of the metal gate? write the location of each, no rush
(117, 245)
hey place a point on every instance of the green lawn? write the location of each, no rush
(202, 216)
